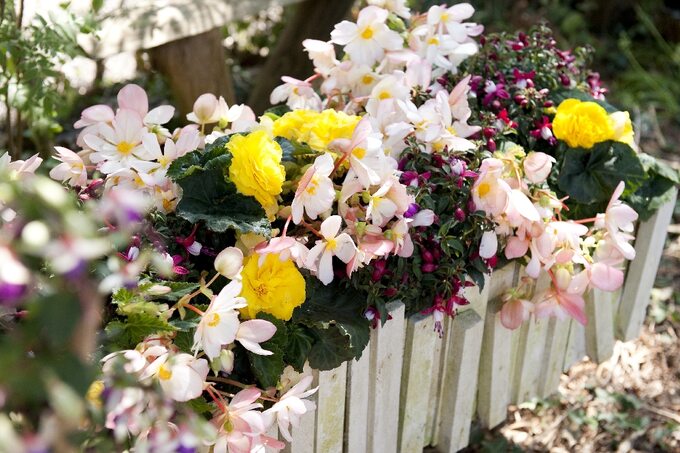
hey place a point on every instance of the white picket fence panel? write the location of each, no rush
(412, 390)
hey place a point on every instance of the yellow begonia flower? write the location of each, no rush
(256, 168)
(583, 124)
(317, 129)
(272, 286)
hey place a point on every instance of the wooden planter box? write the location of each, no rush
(411, 390)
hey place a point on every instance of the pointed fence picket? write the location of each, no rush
(411, 389)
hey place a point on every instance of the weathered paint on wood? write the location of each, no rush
(553, 358)
(600, 327)
(529, 352)
(495, 365)
(387, 354)
(649, 243)
(416, 380)
(330, 410)
(436, 382)
(356, 423)
(460, 373)
(576, 344)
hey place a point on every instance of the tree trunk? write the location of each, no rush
(313, 19)
(193, 66)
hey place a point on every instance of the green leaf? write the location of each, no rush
(298, 347)
(177, 289)
(209, 197)
(591, 175)
(331, 348)
(200, 406)
(268, 368)
(336, 307)
(656, 190)
(127, 334)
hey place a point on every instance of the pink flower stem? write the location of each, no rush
(217, 398)
(241, 385)
(592, 219)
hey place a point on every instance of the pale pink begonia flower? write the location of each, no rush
(71, 168)
(490, 192)
(133, 97)
(619, 220)
(253, 332)
(515, 311)
(320, 257)
(291, 406)
(450, 20)
(239, 426)
(403, 244)
(297, 94)
(367, 40)
(204, 109)
(315, 192)
(119, 146)
(286, 247)
(564, 300)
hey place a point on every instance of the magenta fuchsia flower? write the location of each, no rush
(494, 91)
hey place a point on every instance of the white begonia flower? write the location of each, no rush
(315, 192)
(397, 7)
(380, 208)
(181, 376)
(367, 40)
(322, 54)
(488, 245)
(297, 94)
(290, 407)
(219, 323)
(71, 168)
(320, 257)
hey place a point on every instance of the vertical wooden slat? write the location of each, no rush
(416, 380)
(600, 327)
(461, 371)
(576, 344)
(495, 363)
(530, 349)
(387, 353)
(330, 410)
(649, 243)
(557, 338)
(356, 420)
(436, 383)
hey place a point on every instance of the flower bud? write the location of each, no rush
(537, 166)
(229, 262)
(459, 214)
(428, 268)
(562, 278)
(204, 108)
(227, 360)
